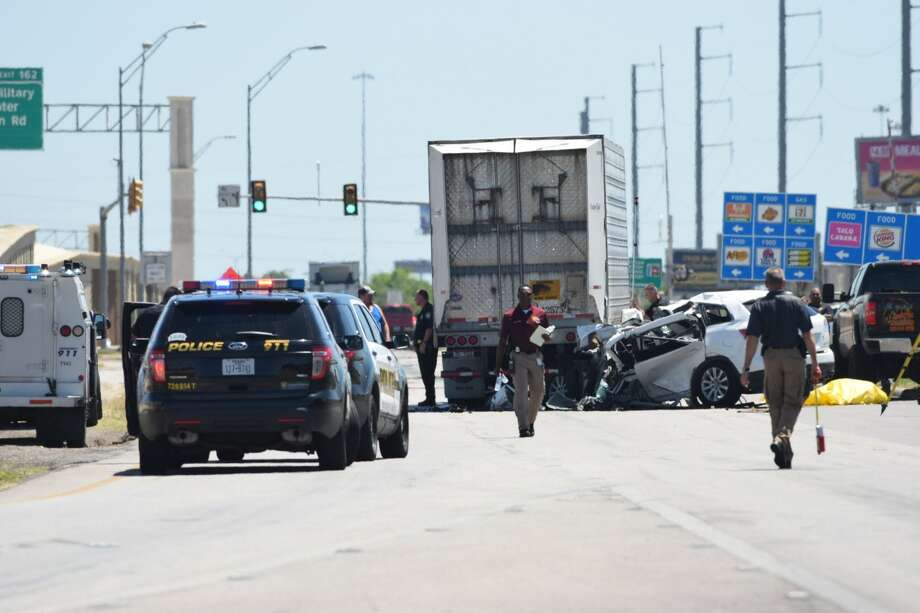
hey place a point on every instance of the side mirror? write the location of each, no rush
(353, 342)
(827, 293)
(100, 325)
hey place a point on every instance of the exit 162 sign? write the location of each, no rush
(21, 108)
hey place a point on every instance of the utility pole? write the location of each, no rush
(364, 76)
(882, 111)
(318, 192)
(700, 58)
(906, 69)
(667, 185)
(636, 129)
(783, 68)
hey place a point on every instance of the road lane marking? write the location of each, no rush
(79, 490)
(817, 585)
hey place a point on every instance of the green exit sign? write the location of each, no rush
(21, 107)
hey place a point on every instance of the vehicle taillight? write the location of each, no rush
(450, 340)
(77, 331)
(474, 340)
(65, 330)
(156, 364)
(871, 313)
(322, 361)
(350, 355)
(570, 337)
(461, 340)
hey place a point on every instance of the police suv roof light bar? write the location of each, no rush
(244, 285)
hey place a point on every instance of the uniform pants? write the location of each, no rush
(784, 386)
(427, 362)
(528, 387)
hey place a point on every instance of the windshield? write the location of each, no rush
(230, 319)
(903, 278)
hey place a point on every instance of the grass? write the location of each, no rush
(10, 475)
(113, 412)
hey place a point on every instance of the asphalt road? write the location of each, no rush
(629, 511)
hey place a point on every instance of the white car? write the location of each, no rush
(716, 382)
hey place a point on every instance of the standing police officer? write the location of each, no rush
(423, 339)
(780, 321)
(518, 325)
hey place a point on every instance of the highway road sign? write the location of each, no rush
(768, 253)
(800, 259)
(844, 236)
(884, 236)
(912, 238)
(738, 214)
(800, 215)
(770, 215)
(21, 108)
(737, 258)
(645, 271)
(228, 196)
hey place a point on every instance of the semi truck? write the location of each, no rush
(549, 212)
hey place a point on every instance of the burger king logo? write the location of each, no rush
(883, 238)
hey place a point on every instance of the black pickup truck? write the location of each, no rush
(878, 322)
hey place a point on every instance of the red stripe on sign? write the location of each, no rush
(186, 422)
(41, 401)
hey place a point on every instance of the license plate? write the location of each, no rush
(238, 366)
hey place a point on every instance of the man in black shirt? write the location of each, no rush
(147, 319)
(423, 339)
(781, 323)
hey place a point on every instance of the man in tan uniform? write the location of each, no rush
(518, 325)
(781, 322)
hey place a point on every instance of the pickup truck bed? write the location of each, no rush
(874, 329)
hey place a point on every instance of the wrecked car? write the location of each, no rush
(651, 364)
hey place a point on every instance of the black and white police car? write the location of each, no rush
(241, 366)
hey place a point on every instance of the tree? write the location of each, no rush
(400, 280)
(277, 274)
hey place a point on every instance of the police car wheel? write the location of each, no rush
(332, 452)
(230, 455)
(367, 446)
(397, 444)
(716, 384)
(156, 457)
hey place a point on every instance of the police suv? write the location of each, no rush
(49, 374)
(242, 366)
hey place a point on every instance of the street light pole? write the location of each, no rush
(140, 165)
(364, 76)
(136, 65)
(251, 92)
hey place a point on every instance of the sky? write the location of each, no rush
(443, 70)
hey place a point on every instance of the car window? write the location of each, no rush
(854, 288)
(341, 319)
(367, 324)
(897, 278)
(225, 319)
(716, 314)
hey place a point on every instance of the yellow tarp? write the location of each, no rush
(847, 391)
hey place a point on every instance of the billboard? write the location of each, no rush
(696, 269)
(888, 170)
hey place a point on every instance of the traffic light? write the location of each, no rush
(258, 199)
(135, 195)
(350, 199)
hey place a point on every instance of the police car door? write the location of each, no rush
(26, 336)
(383, 358)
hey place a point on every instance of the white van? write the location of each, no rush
(49, 376)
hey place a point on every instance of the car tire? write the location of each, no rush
(95, 405)
(332, 451)
(156, 457)
(397, 444)
(859, 366)
(367, 444)
(716, 384)
(75, 427)
(230, 455)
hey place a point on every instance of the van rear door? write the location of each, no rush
(26, 318)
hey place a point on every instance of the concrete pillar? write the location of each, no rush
(182, 183)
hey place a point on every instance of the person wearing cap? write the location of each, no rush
(518, 326)
(780, 322)
(366, 294)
